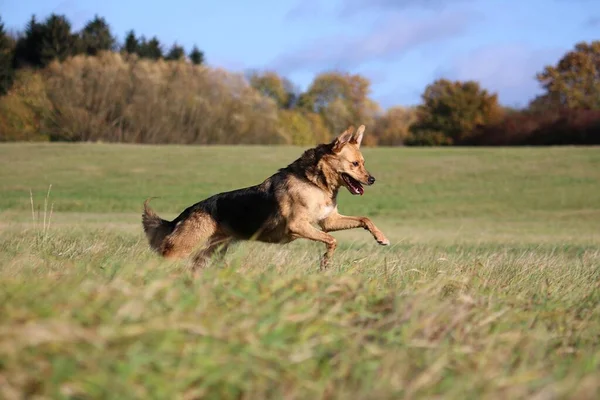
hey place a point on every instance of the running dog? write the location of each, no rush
(288, 205)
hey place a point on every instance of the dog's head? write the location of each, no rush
(348, 162)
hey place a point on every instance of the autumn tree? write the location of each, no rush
(452, 110)
(341, 98)
(196, 56)
(543, 103)
(574, 82)
(270, 84)
(113, 97)
(393, 127)
(96, 37)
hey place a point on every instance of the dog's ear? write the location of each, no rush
(358, 136)
(340, 141)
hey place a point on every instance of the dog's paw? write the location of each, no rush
(324, 264)
(383, 241)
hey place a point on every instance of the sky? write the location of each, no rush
(400, 45)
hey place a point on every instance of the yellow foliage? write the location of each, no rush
(320, 131)
(113, 97)
(303, 128)
(342, 99)
(575, 80)
(23, 109)
(392, 128)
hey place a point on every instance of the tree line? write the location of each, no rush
(53, 39)
(58, 84)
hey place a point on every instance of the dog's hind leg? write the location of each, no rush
(338, 222)
(305, 230)
(189, 234)
(216, 246)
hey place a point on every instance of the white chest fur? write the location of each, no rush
(325, 211)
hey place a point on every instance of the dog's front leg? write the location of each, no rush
(338, 222)
(305, 230)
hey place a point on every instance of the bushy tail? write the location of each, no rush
(156, 228)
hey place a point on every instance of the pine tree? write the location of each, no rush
(150, 49)
(132, 44)
(175, 53)
(42, 43)
(196, 56)
(6, 60)
(57, 40)
(96, 36)
(28, 47)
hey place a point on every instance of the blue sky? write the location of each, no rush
(400, 45)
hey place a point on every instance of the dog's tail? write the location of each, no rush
(156, 228)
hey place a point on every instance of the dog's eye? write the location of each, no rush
(355, 163)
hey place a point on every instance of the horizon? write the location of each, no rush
(401, 46)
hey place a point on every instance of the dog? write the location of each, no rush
(288, 205)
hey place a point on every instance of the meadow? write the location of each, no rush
(490, 288)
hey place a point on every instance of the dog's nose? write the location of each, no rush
(371, 180)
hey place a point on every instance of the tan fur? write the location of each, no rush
(198, 230)
(292, 204)
(156, 228)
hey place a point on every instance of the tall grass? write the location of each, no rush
(42, 232)
(490, 289)
(93, 314)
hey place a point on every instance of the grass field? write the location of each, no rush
(490, 289)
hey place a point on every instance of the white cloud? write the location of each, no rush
(386, 41)
(508, 70)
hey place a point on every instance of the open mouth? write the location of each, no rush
(352, 184)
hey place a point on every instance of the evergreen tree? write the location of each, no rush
(175, 53)
(6, 60)
(96, 36)
(28, 47)
(150, 49)
(132, 44)
(58, 41)
(42, 43)
(196, 56)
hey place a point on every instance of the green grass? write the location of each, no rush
(490, 289)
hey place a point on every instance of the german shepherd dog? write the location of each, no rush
(286, 206)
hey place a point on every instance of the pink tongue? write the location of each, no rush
(360, 190)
